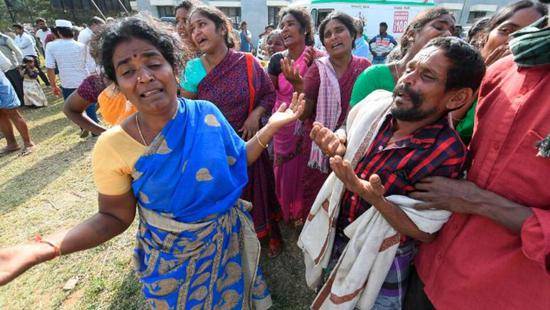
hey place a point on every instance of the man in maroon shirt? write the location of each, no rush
(494, 252)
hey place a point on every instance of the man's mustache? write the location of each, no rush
(416, 98)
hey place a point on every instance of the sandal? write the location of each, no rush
(27, 150)
(6, 150)
(275, 247)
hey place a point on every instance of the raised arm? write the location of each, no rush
(283, 116)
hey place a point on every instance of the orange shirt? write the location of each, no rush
(475, 263)
(113, 106)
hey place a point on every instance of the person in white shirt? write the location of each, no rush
(85, 37)
(15, 57)
(27, 45)
(42, 31)
(71, 59)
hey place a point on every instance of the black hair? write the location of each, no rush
(96, 21)
(508, 11)
(304, 19)
(18, 26)
(467, 66)
(28, 59)
(417, 24)
(383, 24)
(345, 19)
(186, 5)
(39, 19)
(219, 19)
(478, 27)
(269, 26)
(54, 31)
(65, 32)
(141, 28)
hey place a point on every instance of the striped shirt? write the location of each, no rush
(71, 59)
(433, 150)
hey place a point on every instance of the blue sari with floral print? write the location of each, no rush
(196, 246)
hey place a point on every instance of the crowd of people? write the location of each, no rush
(415, 180)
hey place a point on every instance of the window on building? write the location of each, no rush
(165, 11)
(273, 15)
(474, 16)
(233, 13)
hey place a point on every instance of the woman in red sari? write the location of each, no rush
(237, 84)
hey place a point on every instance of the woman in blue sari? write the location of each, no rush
(182, 166)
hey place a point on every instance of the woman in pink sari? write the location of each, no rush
(288, 143)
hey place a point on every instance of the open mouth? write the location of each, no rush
(151, 93)
(200, 41)
(337, 45)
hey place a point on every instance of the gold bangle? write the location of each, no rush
(260, 142)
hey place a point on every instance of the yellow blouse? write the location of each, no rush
(113, 158)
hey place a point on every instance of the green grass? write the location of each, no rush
(53, 188)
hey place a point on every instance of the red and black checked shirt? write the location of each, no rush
(434, 150)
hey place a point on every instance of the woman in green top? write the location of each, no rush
(432, 23)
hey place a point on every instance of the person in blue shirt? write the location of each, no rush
(361, 46)
(381, 45)
(246, 38)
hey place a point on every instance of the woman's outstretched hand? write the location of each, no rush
(286, 115)
(15, 260)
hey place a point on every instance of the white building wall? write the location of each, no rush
(254, 12)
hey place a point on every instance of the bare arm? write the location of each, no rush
(75, 107)
(114, 216)
(400, 221)
(53, 82)
(309, 109)
(256, 145)
(283, 116)
(252, 123)
(465, 197)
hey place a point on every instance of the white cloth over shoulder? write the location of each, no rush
(358, 276)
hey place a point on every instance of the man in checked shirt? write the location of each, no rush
(414, 141)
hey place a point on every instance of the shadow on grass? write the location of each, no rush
(47, 130)
(30, 182)
(35, 114)
(128, 295)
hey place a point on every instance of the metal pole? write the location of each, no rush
(122, 5)
(465, 4)
(93, 2)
